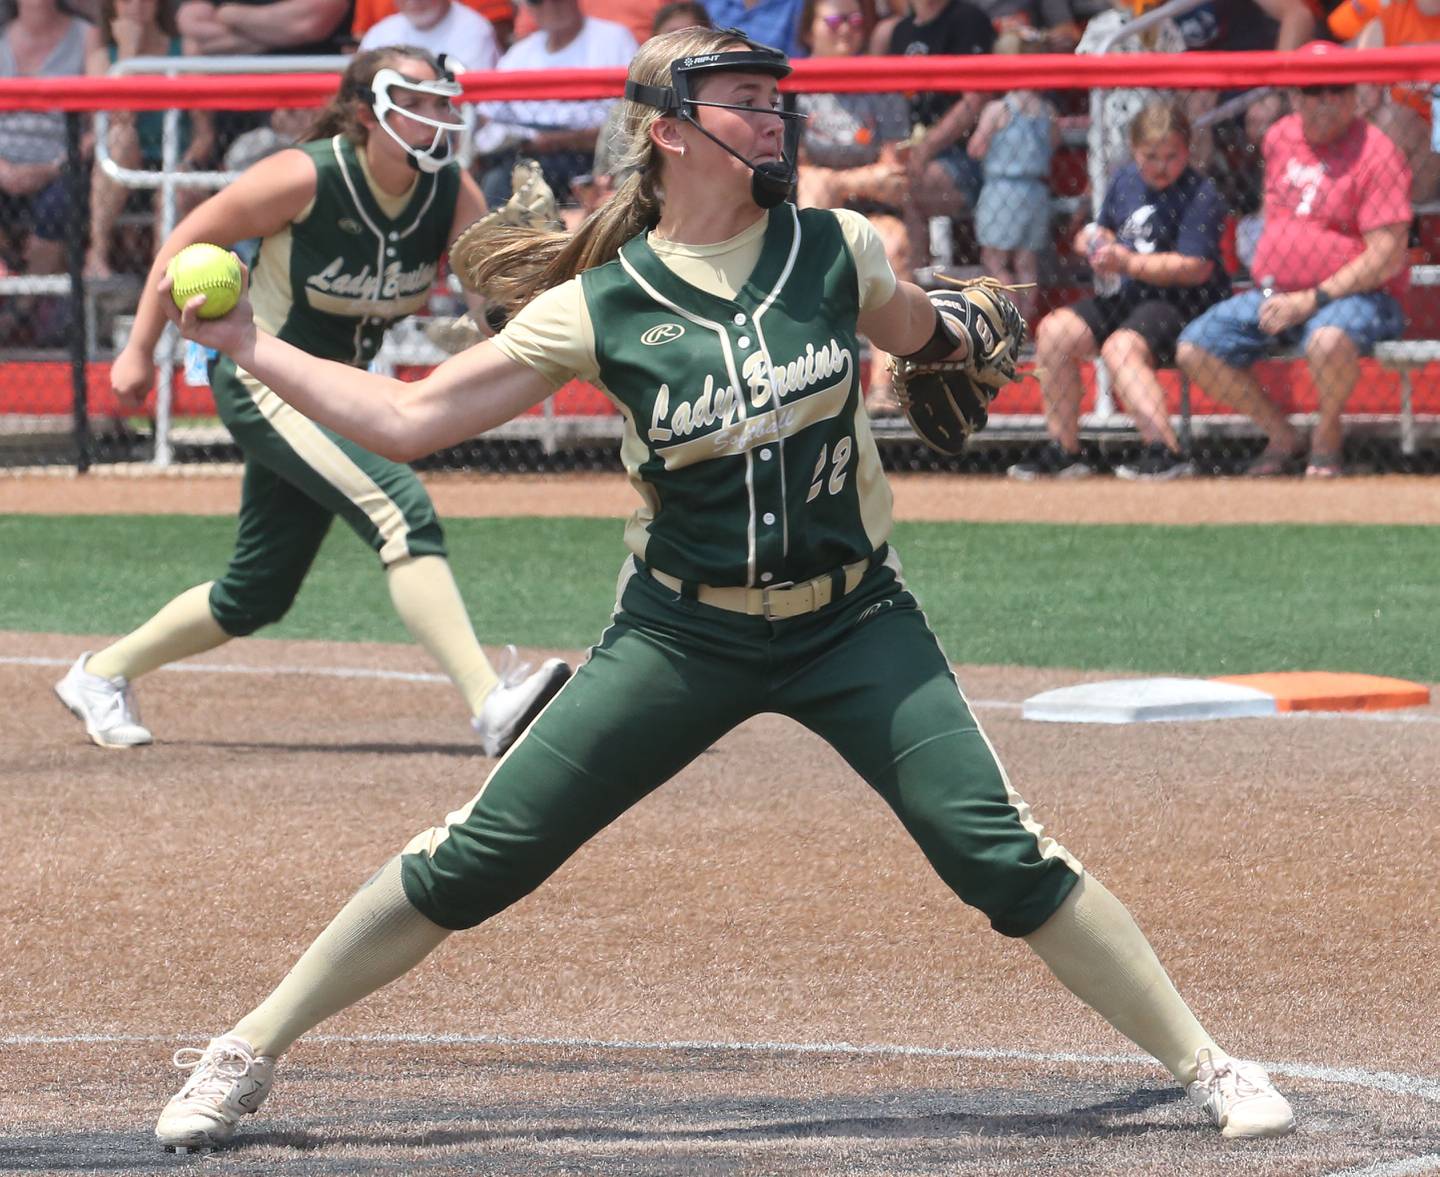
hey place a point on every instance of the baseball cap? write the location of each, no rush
(1325, 49)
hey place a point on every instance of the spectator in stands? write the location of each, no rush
(771, 22)
(888, 14)
(850, 153)
(1233, 26)
(499, 14)
(1112, 111)
(559, 135)
(1015, 139)
(1158, 232)
(1331, 272)
(1032, 26)
(944, 180)
(266, 26)
(38, 39)
(1402, 111)
(137, 28)
(639, 16)
(441, 26)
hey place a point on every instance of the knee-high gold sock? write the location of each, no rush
(183, 627)
(377, 937)
(428, 601)
(1099, 953)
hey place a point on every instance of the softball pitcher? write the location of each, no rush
(353, 223)
(722, 322)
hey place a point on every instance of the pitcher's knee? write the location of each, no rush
(459, 887)
(242, 608)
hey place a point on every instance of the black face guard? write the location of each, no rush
(771, 182)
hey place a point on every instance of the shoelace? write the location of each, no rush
(212, 1070)
(512, 670)
(1237, 1081)
(119, 706)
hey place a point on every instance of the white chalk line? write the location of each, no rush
(1391, 1081)
(363, 672)
(1388, 1081)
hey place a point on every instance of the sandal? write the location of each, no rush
(1325, 466)
(1274, 464)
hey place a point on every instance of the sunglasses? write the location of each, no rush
(1329, 88)
(835, 21)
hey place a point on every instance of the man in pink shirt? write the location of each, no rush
(1329, 273)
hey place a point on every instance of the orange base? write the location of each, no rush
(1323, 690)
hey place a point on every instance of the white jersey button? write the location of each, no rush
(739, 319)
(743, 341)
(767, 576)
(768, 517)
(765, 454)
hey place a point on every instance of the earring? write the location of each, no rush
(682, 149)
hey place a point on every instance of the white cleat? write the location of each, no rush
(105, 705)
(227, 1080)
(1239, 1097)
(516, 700)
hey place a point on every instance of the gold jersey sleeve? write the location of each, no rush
(872, 268)
(553, 335)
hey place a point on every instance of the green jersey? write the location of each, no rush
(355, 260)
(745, 427)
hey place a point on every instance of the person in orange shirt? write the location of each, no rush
(1402, 112)
(500, 13)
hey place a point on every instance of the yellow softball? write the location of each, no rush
(209, 270)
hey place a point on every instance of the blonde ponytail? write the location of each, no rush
(519, 263)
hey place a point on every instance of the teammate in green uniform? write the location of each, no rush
(353, 223)
(722, 322)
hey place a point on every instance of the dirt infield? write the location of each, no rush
(753, 972)
(919, 497)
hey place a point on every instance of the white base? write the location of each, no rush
(1147, 700)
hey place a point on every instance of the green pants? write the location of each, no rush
(670, 676)
(298, 477)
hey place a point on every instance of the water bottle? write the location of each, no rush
(942, 242)
(1104, 285)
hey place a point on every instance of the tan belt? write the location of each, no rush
(778, 603)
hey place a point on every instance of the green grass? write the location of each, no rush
(1185, 600)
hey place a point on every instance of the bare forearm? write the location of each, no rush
(291, 22)
(1170, 269)
(466, 395)
(903, 325)
(1371, 270)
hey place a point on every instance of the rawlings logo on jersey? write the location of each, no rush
(664, 333)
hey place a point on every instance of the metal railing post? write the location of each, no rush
(75, 264)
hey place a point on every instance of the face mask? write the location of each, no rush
(441, 149)
(771, 182)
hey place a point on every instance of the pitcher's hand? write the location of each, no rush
(232, 332)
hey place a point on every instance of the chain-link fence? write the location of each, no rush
(1214, 274)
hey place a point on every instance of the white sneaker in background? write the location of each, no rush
(516, 700)
(227, 1080)
(1239, 1097)
(106, 705)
